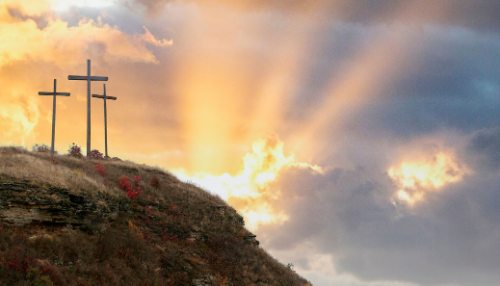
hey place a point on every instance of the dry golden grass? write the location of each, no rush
(37, 168)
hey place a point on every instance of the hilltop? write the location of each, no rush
(74, 221)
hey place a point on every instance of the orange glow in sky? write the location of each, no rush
(415, 178)
(222, 102)
(248, 191)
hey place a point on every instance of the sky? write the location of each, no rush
(359, 139)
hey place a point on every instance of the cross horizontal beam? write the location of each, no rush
(84, 77)
(103, 96)
(53, 93)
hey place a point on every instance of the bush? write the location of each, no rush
(95, 154)
(155, 183)
(41, 148)
(37, 279)
(75, 150)
(127, 186)
(100, 169)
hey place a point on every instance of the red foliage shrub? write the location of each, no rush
(100, 169)
(21, 264)
(127, 186)
(75, 150)
(95, 154)
(137, 180)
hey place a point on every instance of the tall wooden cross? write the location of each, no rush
(88, 78)
(53, 110)
(105, 119)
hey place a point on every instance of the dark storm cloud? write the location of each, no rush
(453, 83)
(484, 148)
(480, 14)
(450, 238)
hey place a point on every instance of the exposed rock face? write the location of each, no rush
(220, 211)
(202, 282)
(251, 239)
(197, 236)
(22, 203)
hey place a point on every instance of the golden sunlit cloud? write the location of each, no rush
(147, 37)
(416, 178)
(22, 118)
(248, 191)
(62, 45)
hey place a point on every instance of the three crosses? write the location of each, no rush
(88, 78)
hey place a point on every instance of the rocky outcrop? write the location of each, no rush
(196, 235)
(251, 238)
(206, 281)
(23, 203)
(222, 211)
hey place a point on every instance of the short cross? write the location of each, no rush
(54, 110)
(88, 78)
(105, 119)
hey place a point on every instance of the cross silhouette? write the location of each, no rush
(88, 78)
(105, 119)
(55, 93)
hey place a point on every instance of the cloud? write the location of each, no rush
(36, 42)
(349, 214)
(480, 14)
(417, 177)
(18, 121)
(149, 38)
(63, 45)
(481, 151)
(25, 8)
(484, 148)
(248, 191)
(446, 87)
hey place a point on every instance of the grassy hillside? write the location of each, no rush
(72, 222)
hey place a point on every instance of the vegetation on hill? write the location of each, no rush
(74, 221)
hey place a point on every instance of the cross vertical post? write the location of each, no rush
(105, 117)
(88, 78)
(105, 125)
(55, 93)
(88, 108)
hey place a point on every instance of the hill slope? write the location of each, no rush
(74, 223)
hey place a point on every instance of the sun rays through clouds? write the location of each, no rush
(248, 191)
